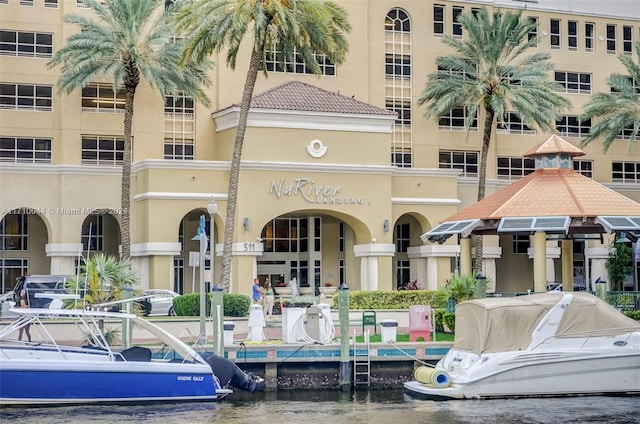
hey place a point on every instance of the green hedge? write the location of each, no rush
(391, 299)
(234, 305)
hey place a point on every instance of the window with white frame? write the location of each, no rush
(286, 235)
(455, 120)
(102, 98)
(520, 244)
(92, 234)
(626, 133)
(574, 82)
(179, 127)
(589, 37)
(341, 238)
(572, 35)
(403, 238)
(102, 150)
(571, 126)
(10, 270)
(627, 39)
(611, 39)
(53, 4)
(403, 272)
(534, 31)
(25, 150)
(466, 161)
(511, 168)
(14, 232)
(26, 44)
(438, 19)
(398, 86)
(26, 97)
(275, 61)
(583, 167)
(26, 3)
(625, 172)
(342, 271)
(513, 125)
(555, 33)
(178, 275)
(457, 26)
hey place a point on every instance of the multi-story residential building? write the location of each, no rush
(340, 174)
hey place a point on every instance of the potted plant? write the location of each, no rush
(327, 288)
(282, 289)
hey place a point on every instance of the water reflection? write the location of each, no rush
(332, 407)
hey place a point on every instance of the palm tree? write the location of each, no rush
(619, 110)
(128, 41)
(304, 27)
(102, 279)
(490, 72)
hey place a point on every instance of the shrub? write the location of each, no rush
(234, 305)
(449, 319)
(439, 320)
(391, 299)
(633, 314)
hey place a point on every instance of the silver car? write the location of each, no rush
(161, 301)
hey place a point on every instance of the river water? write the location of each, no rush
(332, 407)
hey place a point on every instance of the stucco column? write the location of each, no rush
(465, 255)
(244, 265)
(370, 268)
(567, 265)
(540, 262)
(63, 256)
(597, 257)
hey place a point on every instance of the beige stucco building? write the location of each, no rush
(340, 173)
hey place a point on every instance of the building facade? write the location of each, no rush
(340, 173)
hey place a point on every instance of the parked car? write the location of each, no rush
(161, 301)
(40, 284)
(6, 303)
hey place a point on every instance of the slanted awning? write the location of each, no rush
(548, 224)
(447, 229)
(619, 223)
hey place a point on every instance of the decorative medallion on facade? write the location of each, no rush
(316, 149)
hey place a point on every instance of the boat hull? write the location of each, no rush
(540, 374)
(52, 382)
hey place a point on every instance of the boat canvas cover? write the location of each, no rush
(502, 324)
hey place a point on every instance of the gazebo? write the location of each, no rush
(554, 201)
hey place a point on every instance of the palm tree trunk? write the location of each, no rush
(482, 181)
(125, 228)
(234, 174)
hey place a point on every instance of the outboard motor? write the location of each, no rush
(230, 374)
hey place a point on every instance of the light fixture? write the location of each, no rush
(385, 225)
(623, 238)
(245, 224)
(212, 207)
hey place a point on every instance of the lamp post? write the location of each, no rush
(623, 239)
(202, 236)
(212, 208)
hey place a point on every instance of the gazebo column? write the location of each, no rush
(540, 262)
(465, 255)
(567, 265)
(597, 258)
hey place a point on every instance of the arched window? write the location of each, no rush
(398, 83)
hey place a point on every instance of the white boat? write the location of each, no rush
(550, 344)
(62, 363)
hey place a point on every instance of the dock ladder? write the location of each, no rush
(361, 361)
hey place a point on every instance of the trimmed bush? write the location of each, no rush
(234, 305)
(633, 314)
(391, 299)
(449, 319)
(439, 320)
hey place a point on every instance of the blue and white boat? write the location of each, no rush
(69, 360)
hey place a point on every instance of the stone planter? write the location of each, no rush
(283, 291)
(306, 291)
(328, 290)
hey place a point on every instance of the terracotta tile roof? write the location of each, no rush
(554, 144)
(551, 192)
(299, 96)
